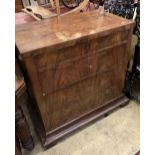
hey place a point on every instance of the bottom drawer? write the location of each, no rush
(74, 101)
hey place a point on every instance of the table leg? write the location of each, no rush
(22, 130)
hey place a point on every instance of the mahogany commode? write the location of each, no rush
(75, 69)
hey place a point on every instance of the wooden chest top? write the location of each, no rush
(65, 31)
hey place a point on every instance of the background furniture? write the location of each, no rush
(132, 86)
(138, 153)
(18, 5)
(75, 69)
(23, 135)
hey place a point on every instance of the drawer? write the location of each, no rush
(106, 58)
(110, 40)
(72, 102)
(50, 58)
(65, 74)
(101, 61)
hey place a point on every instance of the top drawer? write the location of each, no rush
(111, 40)
(58, 70)
(45, 58)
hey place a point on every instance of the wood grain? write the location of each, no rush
(75, 72)
(68, 26)
(18, 5)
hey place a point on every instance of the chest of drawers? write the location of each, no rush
(75, 68)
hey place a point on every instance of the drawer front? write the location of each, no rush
(111, 40)
(65, 74)
(50, 58)
(102, 60)
(72, 102)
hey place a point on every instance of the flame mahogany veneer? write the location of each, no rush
(75, 69)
